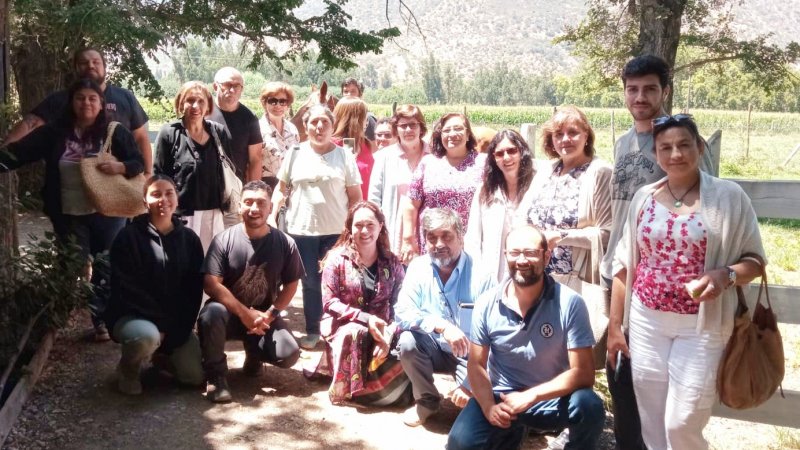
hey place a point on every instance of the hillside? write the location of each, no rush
(472, 33)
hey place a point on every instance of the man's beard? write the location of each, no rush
(443, 258)
(524, 279)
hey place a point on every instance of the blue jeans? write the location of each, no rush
(312, 249)
(582, 411)
(94, 233)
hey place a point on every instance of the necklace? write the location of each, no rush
(679, 201)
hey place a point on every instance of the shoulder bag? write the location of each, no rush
(233, 185)
(752, 366)
(281, 219)
(112, 195)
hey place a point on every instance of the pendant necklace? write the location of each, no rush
(679, 201)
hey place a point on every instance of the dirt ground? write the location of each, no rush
(75, 406)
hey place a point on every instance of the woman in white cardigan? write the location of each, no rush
(506, 177)
(674, 269)
(570, 199)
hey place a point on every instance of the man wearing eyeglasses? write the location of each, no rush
(434, 310)
(240, 124)
(530, 362)
(646, 82)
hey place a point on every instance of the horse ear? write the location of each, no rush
(323, 92)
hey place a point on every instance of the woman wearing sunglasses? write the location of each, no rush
(278, 132)
(506, 177)
(674, 270)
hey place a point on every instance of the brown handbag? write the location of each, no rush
(112, 195)
(752, 366)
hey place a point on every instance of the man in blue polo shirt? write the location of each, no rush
(434, 309)
(536, 337)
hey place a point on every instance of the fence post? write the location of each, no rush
(749, 113)
(528, 132)
(613, 133)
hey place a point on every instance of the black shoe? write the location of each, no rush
(217, 389)
(252, 367)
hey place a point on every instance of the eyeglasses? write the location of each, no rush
(408, 126)
(528, 254)
(511, 151)
(677, 118)
(277, 101)
(231, 86)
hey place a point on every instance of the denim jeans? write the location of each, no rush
(94, 233)
(312, 249)
(140, 339)
(582, 411)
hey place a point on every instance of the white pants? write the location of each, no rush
(206, 224)
(674, 376)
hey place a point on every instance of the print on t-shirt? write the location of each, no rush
(629, 175)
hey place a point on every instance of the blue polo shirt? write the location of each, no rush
(527, 351)
(424, 299)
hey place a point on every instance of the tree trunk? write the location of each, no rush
(8, 195)
(660, 31)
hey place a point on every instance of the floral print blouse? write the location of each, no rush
(555, 207)
(275, 144)
(343, 294)
(438, 184)
(672, 251)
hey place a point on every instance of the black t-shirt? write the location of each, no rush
(253, 269)
(203, 192)
(121, 106)
(243, 131)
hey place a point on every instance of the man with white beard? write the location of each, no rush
(434, 311)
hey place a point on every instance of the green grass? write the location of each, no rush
(781, 239)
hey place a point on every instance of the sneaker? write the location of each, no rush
(310, 341)
(252, 367)
(418, 415)
(560, 442)
(217, 390)
(128, 385)
(101, 333)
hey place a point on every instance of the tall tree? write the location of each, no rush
(8, 224)
(613, 31)
(432, 81)
(45, 32)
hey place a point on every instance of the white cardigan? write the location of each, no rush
(731, 230)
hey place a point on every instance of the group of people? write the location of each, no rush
(416, 254)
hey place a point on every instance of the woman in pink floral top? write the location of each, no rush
(360, 282)
(682, 251)
(447, 178)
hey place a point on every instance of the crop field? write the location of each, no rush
(771, 138)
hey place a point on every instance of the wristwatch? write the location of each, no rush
(273, 311)
(731, 276)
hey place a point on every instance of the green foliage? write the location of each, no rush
(432, 81)
(45, 271)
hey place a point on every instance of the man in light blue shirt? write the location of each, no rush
(434, 310)
(530, 362)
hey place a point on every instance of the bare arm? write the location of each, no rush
(410, 247)
(142, 139)
(215, 289)
(579, 375)
(353, 195)
(278, 199)
(616, 338)
(28, 123)
(496, 413)
(254, 162)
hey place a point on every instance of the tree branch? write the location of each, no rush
(701, 62)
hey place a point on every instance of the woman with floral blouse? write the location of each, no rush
(447, 178)
(361, 278)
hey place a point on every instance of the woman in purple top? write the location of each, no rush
(360, 282)
(445, 179)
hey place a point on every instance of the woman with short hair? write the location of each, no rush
(278, 133)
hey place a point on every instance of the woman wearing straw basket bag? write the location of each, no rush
(78, 136)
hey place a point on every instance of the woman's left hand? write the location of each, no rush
(710, 285)
(553, 238)
(112, 168)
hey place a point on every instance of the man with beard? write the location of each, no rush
(121, 106)
(434, 310)
(646, 83)
(251, 274)
(530, 362)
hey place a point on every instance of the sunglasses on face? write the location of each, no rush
(677, 118)
(407, 126)
(511, 151)
(277, 101)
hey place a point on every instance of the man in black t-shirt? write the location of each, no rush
(251, 274)
(121, 106)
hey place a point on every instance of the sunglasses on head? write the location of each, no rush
(511, 151)
(677, 118)
(277, 101)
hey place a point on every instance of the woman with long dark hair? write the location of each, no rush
(361, 278)
(506, 178)
(78, 134)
